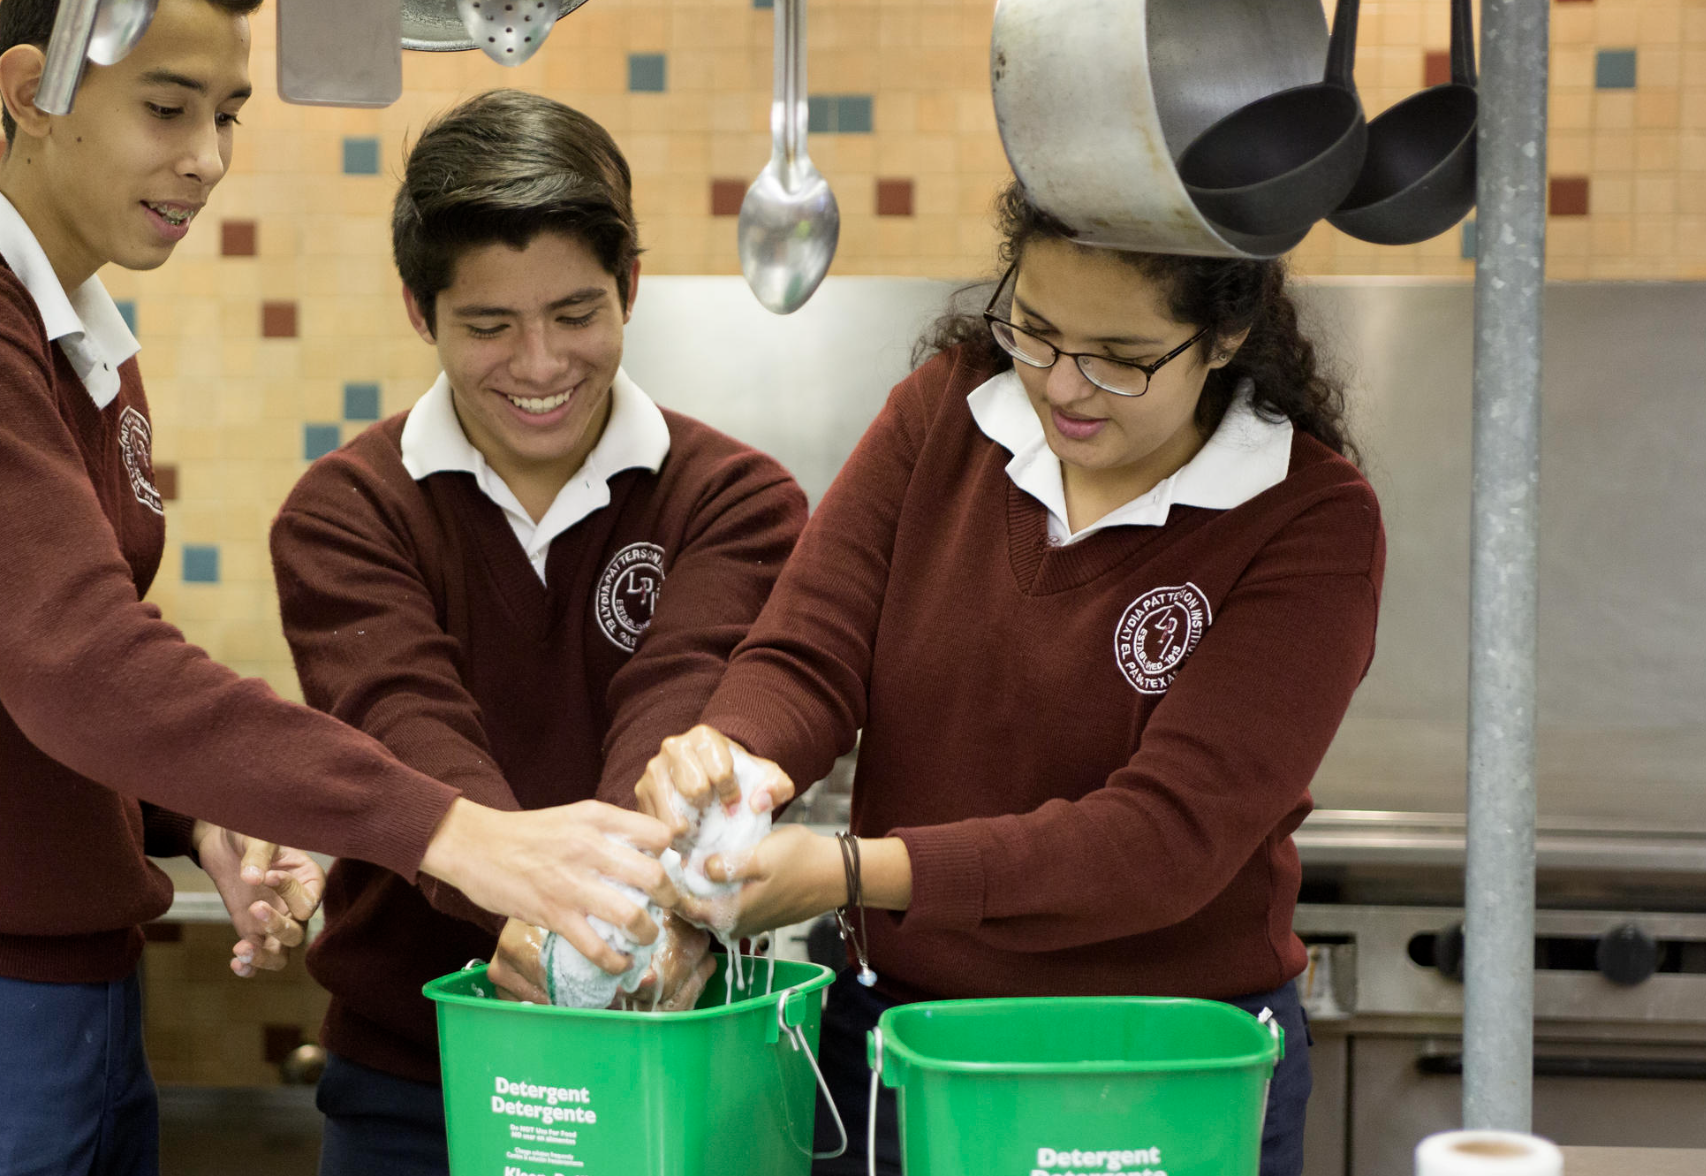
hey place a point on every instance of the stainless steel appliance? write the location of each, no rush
(1622, 752)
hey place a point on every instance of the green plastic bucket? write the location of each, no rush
(1142, 1086)
(533, 1090)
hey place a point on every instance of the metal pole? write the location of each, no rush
(1498, 1022)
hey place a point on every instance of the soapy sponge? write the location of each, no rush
(573, 981)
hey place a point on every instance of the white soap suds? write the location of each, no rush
(576, 982)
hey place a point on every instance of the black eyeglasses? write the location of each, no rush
(1122, 377)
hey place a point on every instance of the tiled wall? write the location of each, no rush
(206, 1027)
(277, 332)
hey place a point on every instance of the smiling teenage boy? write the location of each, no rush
(520, 584)
(110, 722)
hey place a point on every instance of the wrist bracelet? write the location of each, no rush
(849, 845)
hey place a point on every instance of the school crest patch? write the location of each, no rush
(627, 593)
(1157, 633)
(136, 448)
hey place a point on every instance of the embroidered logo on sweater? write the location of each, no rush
(1157, 633)
(627, 593)
(136, 446)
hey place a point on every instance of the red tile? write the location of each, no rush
(237, 238)
(1567, 196)
(166, 482)
(727, 196)
(278, 320)
(894, 197)
(1436, 67)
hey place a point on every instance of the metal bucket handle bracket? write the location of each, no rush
(1272, 1022)
(876, 1047)
(790, 1013)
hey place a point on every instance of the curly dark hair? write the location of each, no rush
(1225, 295)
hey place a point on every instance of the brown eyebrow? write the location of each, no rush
(1119, 340)
(579, 297)
(166, 77)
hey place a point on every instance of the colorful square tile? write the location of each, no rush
(361, 157)
(201, 564)
(1567, 196)
(319, 440)
(820, 114)
(1469, 243)
(238, 238)
(1614, 69)
(853, 114)
(278, 320)
(1436, 67)
(727, 196)
(764, 3)
(361, 402)
(647, 73)
(894, 197)
(127, 312)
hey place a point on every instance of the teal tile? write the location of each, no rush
(1614, 69)
(361, 402)
(127, 311)
(1470, 241)
(319, 440)
(764, 3)
(361, 157)
(853, 114)
(820, 115)
(201, 564)
(646, 73)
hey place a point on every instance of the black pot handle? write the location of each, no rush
(1462, 44)
(1554, 1066)
(1342, 46)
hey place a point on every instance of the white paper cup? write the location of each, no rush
(1487, 1153)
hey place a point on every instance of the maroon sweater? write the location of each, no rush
(414, 614)
(1096, 754)
(105, 709)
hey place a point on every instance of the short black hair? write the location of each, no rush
(30, 22)
(506, 166)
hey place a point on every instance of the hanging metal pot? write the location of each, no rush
(1095, 99)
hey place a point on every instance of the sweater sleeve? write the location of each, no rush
(735, 545)
(1226, 757)
(166, 834)
(98, 680)
(795, 691)
(369, 649)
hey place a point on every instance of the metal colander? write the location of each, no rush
(433, 26)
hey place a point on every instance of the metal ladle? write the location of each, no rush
(789, 221)
(119, 25)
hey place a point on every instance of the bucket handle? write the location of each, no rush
(871, 1110)
(797, 1038)
(1268, 1018)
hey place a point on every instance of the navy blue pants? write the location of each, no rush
(853, 1011)
(76, 1097)
(378, 1124)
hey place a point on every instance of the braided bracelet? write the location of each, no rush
(850, 864)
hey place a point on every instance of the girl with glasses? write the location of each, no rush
(1097, 586)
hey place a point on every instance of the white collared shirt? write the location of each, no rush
(87, 325)
(1246, 455)
(635, 436)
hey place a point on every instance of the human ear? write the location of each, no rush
(633, 290)
(20, 77)
(1227, 348)
(417, 318)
